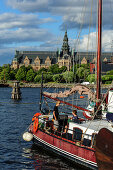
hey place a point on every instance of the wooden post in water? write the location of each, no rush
(16, 94)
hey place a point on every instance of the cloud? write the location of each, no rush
(74, 13)
(11, 20)
(24, 35)
(19, 28)
(30, 5)
(89, 43)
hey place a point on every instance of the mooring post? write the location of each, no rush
(16, 94)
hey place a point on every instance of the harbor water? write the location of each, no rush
(15, 117)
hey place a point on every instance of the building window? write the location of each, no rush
(48, 63)
(37, 63)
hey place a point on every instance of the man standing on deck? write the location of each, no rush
(55, 115)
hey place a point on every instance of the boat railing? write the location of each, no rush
(76, 135)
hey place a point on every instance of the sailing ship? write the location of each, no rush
(83, 141)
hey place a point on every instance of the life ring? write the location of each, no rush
(36, 116)
(35, 125)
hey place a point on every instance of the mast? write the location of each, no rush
(41, 91)
(99, 50)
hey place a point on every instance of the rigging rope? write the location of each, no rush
(99, 107)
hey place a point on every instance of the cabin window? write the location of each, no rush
(77, 134)
(93, 140)
(86, 142)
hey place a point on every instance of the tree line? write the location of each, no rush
(78, 73)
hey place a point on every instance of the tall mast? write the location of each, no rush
(99, 49)
(41, 91)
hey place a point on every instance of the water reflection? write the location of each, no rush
(43, 160)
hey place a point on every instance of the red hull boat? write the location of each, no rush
(75, 141)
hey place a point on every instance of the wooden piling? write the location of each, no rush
(16, 94)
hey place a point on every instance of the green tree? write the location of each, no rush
(68, 76)
(44, 70)
(62, 69)
(54, 69)
(91, 78)
(107, 79)
(1, 69)
(30, 75)
(38, 78)
(80, 72)
(58, 78)
(4, 75)
(21, 74)
(12, 74)
(110, 72)
(48, 77)
(24, 68)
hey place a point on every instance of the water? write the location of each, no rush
(15, 117)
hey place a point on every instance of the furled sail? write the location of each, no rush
(81, 89)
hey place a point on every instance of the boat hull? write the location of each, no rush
(80, 155)
(104, 149)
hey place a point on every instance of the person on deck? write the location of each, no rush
(75, 117)
(55, 115)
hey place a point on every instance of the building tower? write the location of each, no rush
(65, 46)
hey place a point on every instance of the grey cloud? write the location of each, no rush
(73, 12)
(11, 20)
(24, 35)
(29, 5)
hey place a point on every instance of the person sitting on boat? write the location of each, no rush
(75, 117)
(55, 115)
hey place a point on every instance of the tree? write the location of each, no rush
(30, 75)
(91, 78)
(58, 78)
(68, 76)
(38, 78)
(107, 79)
(80, 72)
(110, 72)
(12, 74)
(63, 69)
(24, 68)
(1, 69)
(47, 77)
(44, 70)
(4, 75)
(54, 69)
(21, 74)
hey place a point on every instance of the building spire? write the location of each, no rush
(65, 46)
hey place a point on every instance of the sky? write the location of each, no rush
(40, 25)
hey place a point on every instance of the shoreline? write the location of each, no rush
(56, 85)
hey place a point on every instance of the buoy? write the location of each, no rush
(27, 136)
